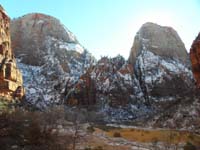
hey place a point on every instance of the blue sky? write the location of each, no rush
(108, 27)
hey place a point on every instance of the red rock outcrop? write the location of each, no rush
(84, 92)
(195, 59)
(10, 76)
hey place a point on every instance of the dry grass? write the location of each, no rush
(167, 136)
(94, 143)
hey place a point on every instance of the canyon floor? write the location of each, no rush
(104, 137)
(52, 130)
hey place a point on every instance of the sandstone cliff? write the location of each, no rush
(11, 82)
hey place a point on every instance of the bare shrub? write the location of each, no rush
(189, 146)
(24, 130)
(116, 134)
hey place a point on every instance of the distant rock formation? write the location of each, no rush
(11, 82)
(195, 59)
(161, 63)
(58, 69)
(49, 56)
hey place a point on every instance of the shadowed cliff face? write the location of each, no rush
(195, 59)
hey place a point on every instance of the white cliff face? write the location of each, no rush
(49, 55)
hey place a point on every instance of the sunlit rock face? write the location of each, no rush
(161, 62)
(195, 59)
(11, 83)
(49, 55)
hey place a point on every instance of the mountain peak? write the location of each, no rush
(155, 25)
(36, 30)
(48, 53)
(160, 40)
(43, 25)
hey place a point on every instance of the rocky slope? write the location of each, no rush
(161, 63)
(49, 55)
(182, 115)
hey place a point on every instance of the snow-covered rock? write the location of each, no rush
(113, 80)
(111, 86)
(161, 63)
(162, 78)
(58, 69)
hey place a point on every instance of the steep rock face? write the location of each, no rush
(48, 54)
(195, 59)
(160, 61)
(11, 83)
